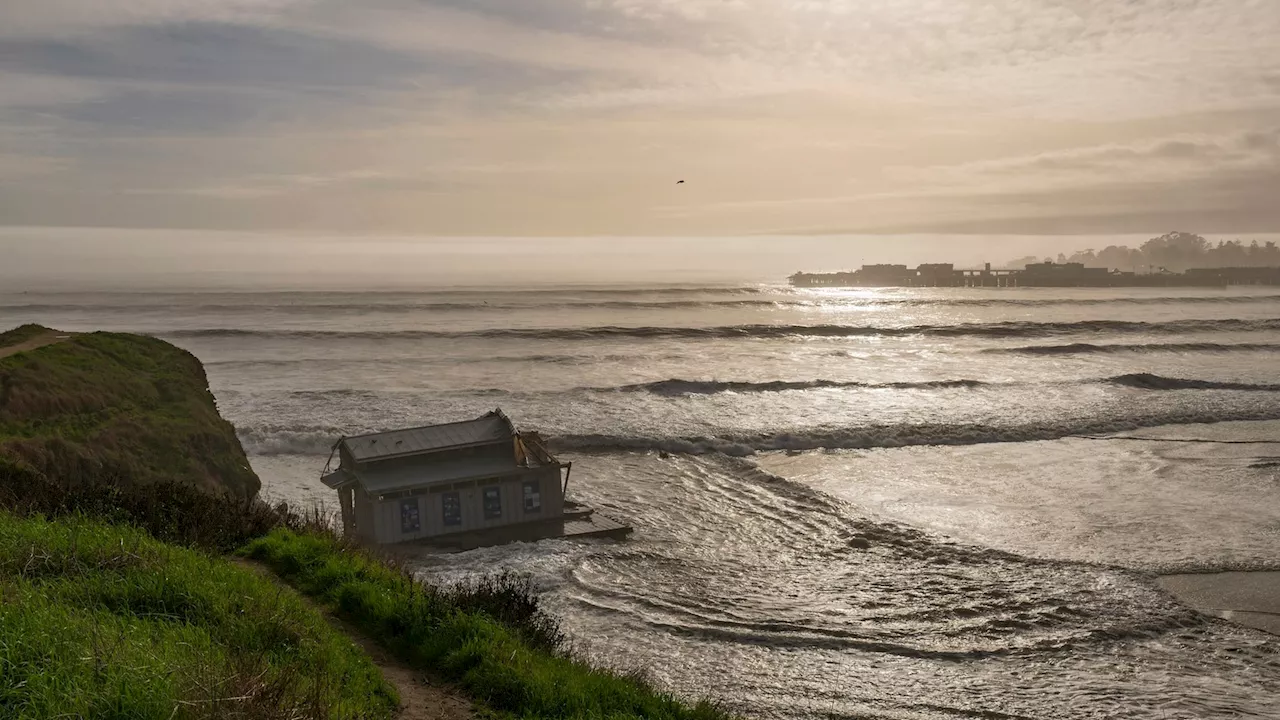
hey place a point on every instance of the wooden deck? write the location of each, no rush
(577, 522)
(596, 525)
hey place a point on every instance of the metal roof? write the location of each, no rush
(491, 427)
(451, 471)
(337, 479)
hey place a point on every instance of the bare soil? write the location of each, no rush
(39, 341)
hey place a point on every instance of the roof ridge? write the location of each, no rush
(491, 413)
(490, 428)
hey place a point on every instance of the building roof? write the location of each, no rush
(337, 479)
(376, 481)
(488, 428)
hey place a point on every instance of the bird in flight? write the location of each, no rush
(679, 182)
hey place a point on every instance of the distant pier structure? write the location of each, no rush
(1046, 274)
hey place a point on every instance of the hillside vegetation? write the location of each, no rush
(109, 408)
(101, 621)
(488, 638)
(1175, 252)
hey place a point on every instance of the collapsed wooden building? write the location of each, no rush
(460, 484)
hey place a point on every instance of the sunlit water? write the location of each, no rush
(873, 503)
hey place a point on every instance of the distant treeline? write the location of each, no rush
(1174, 252)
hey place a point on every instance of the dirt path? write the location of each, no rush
(419, 698)
(48, 338)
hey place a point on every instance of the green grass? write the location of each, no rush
(109, 407)
(99, 621)
(436, 631)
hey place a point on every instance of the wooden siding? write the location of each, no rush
(384, 517)
(365, 525)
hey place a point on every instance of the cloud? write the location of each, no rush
(82, 18)
(574, 116)
(268, 186)
(1184, 158)
(27, 90)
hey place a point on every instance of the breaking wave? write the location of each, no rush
(1143, 381)
(891, 436)
(414, 306)
(1043, 302)
(330, 363)
(1148, 381)
(987, 330)
(677, 387)
(314, 440)
(289, 439)
(656, 298)
(1117, 348)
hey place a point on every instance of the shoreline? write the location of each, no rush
(1251, 599)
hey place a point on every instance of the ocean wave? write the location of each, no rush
(314, 440)
(599, 299)
(892, 436)
(1118, 348)
(676, 387)
(289, 439)
(1043, 302)
(1148, 381)
(985, 330)
(406, 307)
(448, 360)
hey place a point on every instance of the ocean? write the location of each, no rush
(918, 504)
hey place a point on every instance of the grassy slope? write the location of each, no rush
(22, 333)
(446, 635)
(117, 409)
(104, 622)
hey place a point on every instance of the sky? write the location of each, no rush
(577, 117)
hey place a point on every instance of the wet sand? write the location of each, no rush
(1246, 598)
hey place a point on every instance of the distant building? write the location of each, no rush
(935, 275)
(440, 480)
(1034, 275)
(1050, 274)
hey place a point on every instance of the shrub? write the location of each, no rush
(490, 637)
(174, 512)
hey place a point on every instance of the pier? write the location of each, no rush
(1047, 274)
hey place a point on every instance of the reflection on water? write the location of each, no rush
(790, 602)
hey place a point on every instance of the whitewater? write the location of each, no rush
(923, 504)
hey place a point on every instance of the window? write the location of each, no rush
(452, 504)
(410, 521)
(492, 503)
(532, 496)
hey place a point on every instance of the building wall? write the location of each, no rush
(364, 511)
(388, 518)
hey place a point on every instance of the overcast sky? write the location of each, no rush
(577, 117)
